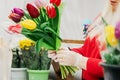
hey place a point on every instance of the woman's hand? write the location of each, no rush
(52, 53)
(70, 58)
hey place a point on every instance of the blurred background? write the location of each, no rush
(75, 12)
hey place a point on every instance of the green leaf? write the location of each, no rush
(53, 32)
(34, 35)
(40, 43)
(104, 21)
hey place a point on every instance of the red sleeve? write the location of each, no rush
(82, 50)
(79, 50)
(94, 68)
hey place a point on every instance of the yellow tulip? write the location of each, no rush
(29, 24)
(110, 36)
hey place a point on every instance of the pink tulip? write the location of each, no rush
(15, 28)
(40, 3)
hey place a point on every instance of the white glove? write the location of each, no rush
(70, 58)
(52, 53)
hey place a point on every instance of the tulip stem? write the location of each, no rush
(104, 21)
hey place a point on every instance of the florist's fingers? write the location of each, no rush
(51, 55)
(64, 48)
(58, 57)
(52, 51)
(63, 62)
(62, 52)
(59, 60)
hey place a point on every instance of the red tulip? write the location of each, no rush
(51, 11)
(15, 28)
(18, 11)
(33, 11)
(15, 17)
(117, 30)
(56, 2)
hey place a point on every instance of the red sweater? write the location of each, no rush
(91, 50)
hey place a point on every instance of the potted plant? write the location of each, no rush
(18, 68)
(37, 64)
(41, 23)
(111, 54)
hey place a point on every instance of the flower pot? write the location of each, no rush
(19, 74)
(111, 72)
(38, 74)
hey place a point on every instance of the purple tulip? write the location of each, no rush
(117, 30)
(18, 11)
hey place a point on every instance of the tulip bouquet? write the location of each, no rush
(40, 22)
(112, 52)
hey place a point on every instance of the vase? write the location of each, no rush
(56, 67)
(19, 74)
(111, 72)
(38, 74)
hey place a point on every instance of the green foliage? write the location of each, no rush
(17, 60)
(112, 56)
(35, 61)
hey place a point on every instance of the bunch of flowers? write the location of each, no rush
(40, 22)
(112, 52)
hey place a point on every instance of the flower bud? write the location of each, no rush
(117, 30)
(33, 11)
(56, 2)
(40, 3)
(51, 11)
(18, 11)
(111, 39)
(15, 28)
(28, 24)
(15, 17)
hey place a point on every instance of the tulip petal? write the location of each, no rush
(51, 11)
(33, 11)
(29, 24)
(117, 30)
(109, 30)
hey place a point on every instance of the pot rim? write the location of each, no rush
(18, 68)
(109, 65)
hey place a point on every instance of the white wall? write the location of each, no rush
(74, 13)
